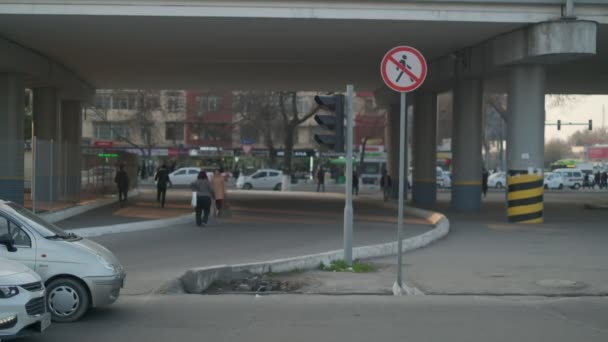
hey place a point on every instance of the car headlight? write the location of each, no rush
(8, 291)
(106, 264)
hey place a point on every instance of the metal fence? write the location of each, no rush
(59, 175)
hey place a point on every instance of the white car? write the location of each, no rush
(262, 179)
(497, 180)
(553, 181)
(22, 304)
(186, 175)
(78, 273)
(573, 178)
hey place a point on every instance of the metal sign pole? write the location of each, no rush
(402, 181)
(348, 208)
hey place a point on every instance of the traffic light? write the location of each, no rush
(590, 125)
(559, 125)
(335, 123)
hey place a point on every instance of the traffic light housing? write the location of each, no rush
(335, 123)
(559, 125)
(590, 125)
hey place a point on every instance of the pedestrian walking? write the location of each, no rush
(597, 180)
(355, 183)
(586, 181)
(321, 179)
(385, 184)
(604, 180)
(204, 196)
(162, 180)
(484, 182)
(122, 182)
(219, 191)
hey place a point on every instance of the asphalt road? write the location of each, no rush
(342, 318)
(262, 227)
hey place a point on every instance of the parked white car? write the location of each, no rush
(572, 178)
(553, 181)
(78, 273)
(262, 179)
(186, 175)
(497, 180)
(22, 307)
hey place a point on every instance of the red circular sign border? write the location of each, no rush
(390, 84)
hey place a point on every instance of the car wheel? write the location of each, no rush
(498, 185)
(247, 186)
(576, 186)
(277, 187)
(68, 300)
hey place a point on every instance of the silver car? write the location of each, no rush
(78, 273)
(22, 307)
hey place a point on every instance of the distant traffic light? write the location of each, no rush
(590, 125)
(335, 123)
(559, 125)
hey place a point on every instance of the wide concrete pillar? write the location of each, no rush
(71, 127)
(526, 125)
(525, 143)
(393, 148)
(466, 145)
(12, 95)
(424, 189)
(47, 156)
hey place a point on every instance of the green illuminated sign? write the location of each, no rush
(107, 155)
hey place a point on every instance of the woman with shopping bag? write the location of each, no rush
(219, 191)
(202, 196)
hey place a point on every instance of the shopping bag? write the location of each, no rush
(193, 202)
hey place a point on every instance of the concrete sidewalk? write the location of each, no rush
(484, 255)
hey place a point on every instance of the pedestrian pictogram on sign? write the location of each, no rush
(403, 69)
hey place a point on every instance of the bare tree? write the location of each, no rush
(135, 109)
(556, 149)
(259, 110)
(291, 120)
(273, 114)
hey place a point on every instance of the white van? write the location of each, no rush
(572, 178)
(22, 307)
(78, 273)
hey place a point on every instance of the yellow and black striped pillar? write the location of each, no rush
(525, 198)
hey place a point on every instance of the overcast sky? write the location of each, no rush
(580, 109)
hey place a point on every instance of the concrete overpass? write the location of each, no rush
(66, 49)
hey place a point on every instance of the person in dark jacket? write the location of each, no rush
(604, 180)
(385, 184)
(355, 183)
(484, 181)
(162, 179)
(204, 197)
(122, 182)
(321, 179)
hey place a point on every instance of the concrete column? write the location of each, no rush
(71, 120)
(526, 125)
(424, 190)
(393, 147)
(48, 156)
(466, 146)
(12, 95)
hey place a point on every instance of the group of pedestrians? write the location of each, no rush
(320, 178)
(204, 192)
(600, 179)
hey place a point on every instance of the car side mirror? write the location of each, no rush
(9, 243)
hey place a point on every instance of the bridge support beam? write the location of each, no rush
(424, 189)
(466, 145)
(12, 95)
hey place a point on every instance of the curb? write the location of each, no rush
(131, 227)
(197, 280)
(60, 215)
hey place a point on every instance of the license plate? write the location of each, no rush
(45, 322)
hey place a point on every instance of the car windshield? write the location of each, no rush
(46, 229)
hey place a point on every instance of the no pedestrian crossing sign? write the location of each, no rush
(403, 69)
